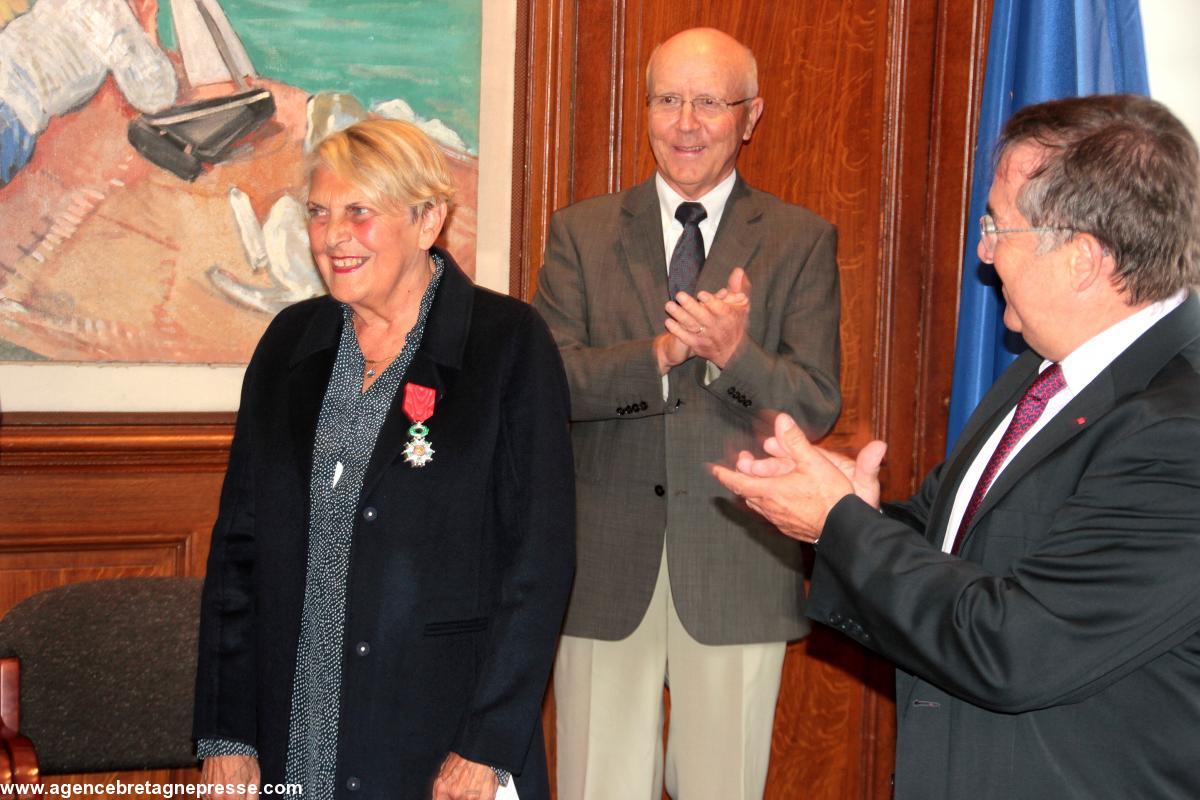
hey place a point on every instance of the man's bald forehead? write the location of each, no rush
(710, 43)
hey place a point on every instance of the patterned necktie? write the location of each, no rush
(1032, 404)
(688, 256)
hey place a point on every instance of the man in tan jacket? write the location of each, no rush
(684, 307)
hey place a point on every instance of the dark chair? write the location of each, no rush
(99, 677)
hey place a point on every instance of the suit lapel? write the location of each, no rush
(309, 370)
(998, 401)
(642, 242)
(736, 241)
(1093, 402)
(436, 365)
(1130, 372)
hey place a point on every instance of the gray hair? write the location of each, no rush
(1123, 169)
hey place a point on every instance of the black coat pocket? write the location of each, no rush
(452, 626)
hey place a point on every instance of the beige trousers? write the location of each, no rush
(609, 712)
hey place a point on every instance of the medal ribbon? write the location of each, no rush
(418, 405)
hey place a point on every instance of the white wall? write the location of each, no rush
(496, 93)
(1172, 29)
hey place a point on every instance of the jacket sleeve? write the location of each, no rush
(800, 374)
(536, 497)
(225, 673)
(915, 511)
(606, 382)
(1110, 585)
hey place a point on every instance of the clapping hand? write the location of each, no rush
(712, 326)
(798, 483)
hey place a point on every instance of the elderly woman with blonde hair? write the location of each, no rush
(395, 541)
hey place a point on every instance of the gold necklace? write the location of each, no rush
(369, 370)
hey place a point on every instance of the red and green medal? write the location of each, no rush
(418, 405)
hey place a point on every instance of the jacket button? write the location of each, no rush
(369, 513)
(353, 784)
(659, 490)
(362, 648)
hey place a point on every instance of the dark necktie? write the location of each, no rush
(1032, 404)
(688, 256)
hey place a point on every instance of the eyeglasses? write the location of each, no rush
(989, 234)
(702, 105)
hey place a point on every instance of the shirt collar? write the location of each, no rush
(1088, 360)
(713, 201)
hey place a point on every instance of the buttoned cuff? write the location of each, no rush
(209, 748)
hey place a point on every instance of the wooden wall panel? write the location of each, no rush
(30, 565)
(822, 74)
(544, 66)
(105, 497)
(870, 109)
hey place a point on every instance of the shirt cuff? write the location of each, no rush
(208, 748)
(711, 372)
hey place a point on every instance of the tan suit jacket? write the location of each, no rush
(639, 460)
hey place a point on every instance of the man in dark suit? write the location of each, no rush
(1040, 593)
(683, 308)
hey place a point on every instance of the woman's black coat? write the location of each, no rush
(459, 570)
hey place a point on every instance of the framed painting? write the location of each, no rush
(152, 171)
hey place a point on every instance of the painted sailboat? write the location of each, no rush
(184, 138)
(107, 258)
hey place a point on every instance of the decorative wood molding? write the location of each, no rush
(546, 51)
(55, 442)
(94, 496)
(960, 58)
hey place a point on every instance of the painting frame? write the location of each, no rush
(107, 388)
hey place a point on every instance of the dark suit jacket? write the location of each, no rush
(1059, 657)
(640, 461)
(459, 571)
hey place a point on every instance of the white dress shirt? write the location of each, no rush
(1079, 369)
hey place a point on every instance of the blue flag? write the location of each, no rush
(1037, 50)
